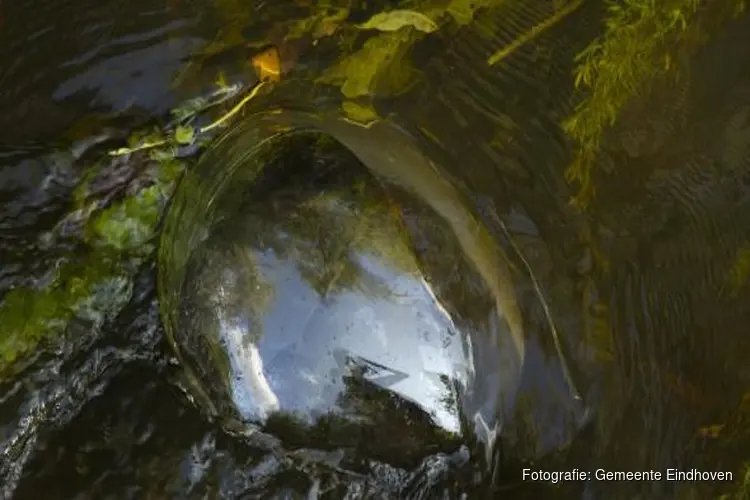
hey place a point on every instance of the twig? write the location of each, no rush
(220, 121)
(534, 32)
(236, 109)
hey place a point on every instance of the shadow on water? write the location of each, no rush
(638, 305)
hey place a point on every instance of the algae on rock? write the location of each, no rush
(93, 284)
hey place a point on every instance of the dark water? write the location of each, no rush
(643, 288)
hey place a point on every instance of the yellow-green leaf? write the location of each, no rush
(184, 135)
(397, 19)
(380, 67)
(360, 113)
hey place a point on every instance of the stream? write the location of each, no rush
(265, 250)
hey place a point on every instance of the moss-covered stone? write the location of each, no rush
(31, 317)
(93, 284)
(130, 225)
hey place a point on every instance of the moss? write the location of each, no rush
(89, 289)
(168, 170)
(31, 317)
(96, 284)
(130, 224)
(27, 319)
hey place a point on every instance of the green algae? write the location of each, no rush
(96, 282)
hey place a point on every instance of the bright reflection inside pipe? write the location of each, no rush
(298, 315)
(399, 341)
(370, 311)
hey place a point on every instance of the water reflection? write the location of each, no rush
(62, 61)
(655, 309)
(318, 300)
(148, 89)
(367, 318)
(335, 308)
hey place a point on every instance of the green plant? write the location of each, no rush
(641, 42)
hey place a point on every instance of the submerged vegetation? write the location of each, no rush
(643, 40)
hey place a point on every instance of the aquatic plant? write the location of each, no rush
(642, 42)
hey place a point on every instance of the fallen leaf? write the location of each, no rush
(360, 113)
(267, 65)
(397, 19)
(380, 67)
(184, 135)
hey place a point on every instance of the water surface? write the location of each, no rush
(645, 289)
